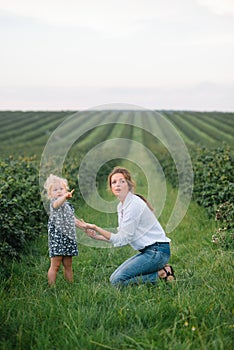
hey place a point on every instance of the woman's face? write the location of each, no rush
(119, 186)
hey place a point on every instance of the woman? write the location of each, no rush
(138, 227)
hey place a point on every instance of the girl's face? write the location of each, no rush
(58, 189)
(119, 186)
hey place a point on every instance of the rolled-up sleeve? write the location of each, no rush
(127, 228)
(124, 235)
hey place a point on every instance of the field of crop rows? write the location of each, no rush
(27, 133)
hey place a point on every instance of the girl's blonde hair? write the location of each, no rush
(53, 179)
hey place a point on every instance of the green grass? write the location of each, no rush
(195, 312)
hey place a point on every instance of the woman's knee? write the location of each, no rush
(114, 279)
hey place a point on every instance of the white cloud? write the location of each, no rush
(219, 7)
(115, 17)
(109, 44)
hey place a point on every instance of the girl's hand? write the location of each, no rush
(60, 200)
(91, 226)
(81, 224)
(69, 194)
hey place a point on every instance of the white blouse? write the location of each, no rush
(138, 225)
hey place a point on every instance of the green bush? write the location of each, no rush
(213, 178)
(213, 187)
(224, 235)
(22, 216)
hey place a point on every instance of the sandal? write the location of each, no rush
(170, 276)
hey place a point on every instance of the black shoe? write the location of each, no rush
(170, 276)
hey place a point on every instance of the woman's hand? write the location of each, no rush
(90, 229)
(91, 233)
(93, 230)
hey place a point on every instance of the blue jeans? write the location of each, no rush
(142, 267)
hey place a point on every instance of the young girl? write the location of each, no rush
(61, 228)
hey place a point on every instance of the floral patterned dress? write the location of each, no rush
(62, 231)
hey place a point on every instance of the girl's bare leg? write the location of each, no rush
(55, 263)
(67, 268)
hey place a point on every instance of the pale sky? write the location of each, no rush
(78, 54)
